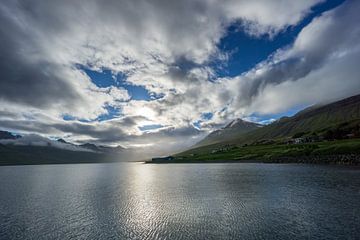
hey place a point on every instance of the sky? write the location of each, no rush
(160, 74)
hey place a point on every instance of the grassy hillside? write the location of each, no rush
(330, 125)
(271, 151)
(229, 132)
(314, 120)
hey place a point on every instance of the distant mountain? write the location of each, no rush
(8, 135)
(35, 149)
(103, 149)
(63, 141)
(231, 131)
(27, 154)
(89, 146)
(317, 119)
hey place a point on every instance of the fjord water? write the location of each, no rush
(179, 201)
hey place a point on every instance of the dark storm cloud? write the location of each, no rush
(24, 79)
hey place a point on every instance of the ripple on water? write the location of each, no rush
(183, 201)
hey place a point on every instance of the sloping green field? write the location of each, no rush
(273, 151)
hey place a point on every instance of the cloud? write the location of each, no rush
(319, 66)
(123, 131)
(48, 38)
(268, 17)
(166, 47)
(36, 140)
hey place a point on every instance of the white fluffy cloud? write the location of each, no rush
(320, 66)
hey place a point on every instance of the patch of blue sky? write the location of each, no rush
(150, 127)
(246, 51)
(112, 112)
(197, 124)
(207, 116)
(68, 117)
(268, 118)
(204, 117)
(106, 78)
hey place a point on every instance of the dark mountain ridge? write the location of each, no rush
(312, 119)
(16, 149)
(103, 149)
(229, 132)
(8, 135)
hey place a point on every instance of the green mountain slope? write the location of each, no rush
(309, 120)
(313, 120)
(229, 132)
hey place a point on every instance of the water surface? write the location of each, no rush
(179, 201)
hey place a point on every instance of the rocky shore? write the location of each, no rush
(340, 159)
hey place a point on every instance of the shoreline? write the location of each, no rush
(202, 161)
(341, 159)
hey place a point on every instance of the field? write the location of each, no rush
(271, 152)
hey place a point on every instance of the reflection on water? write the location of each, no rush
(179, 201)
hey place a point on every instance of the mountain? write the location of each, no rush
(27, 154)
(4, 135)
(63, 141)
(231, 131)
(103, 149)
(35, 149)
(317, 119)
